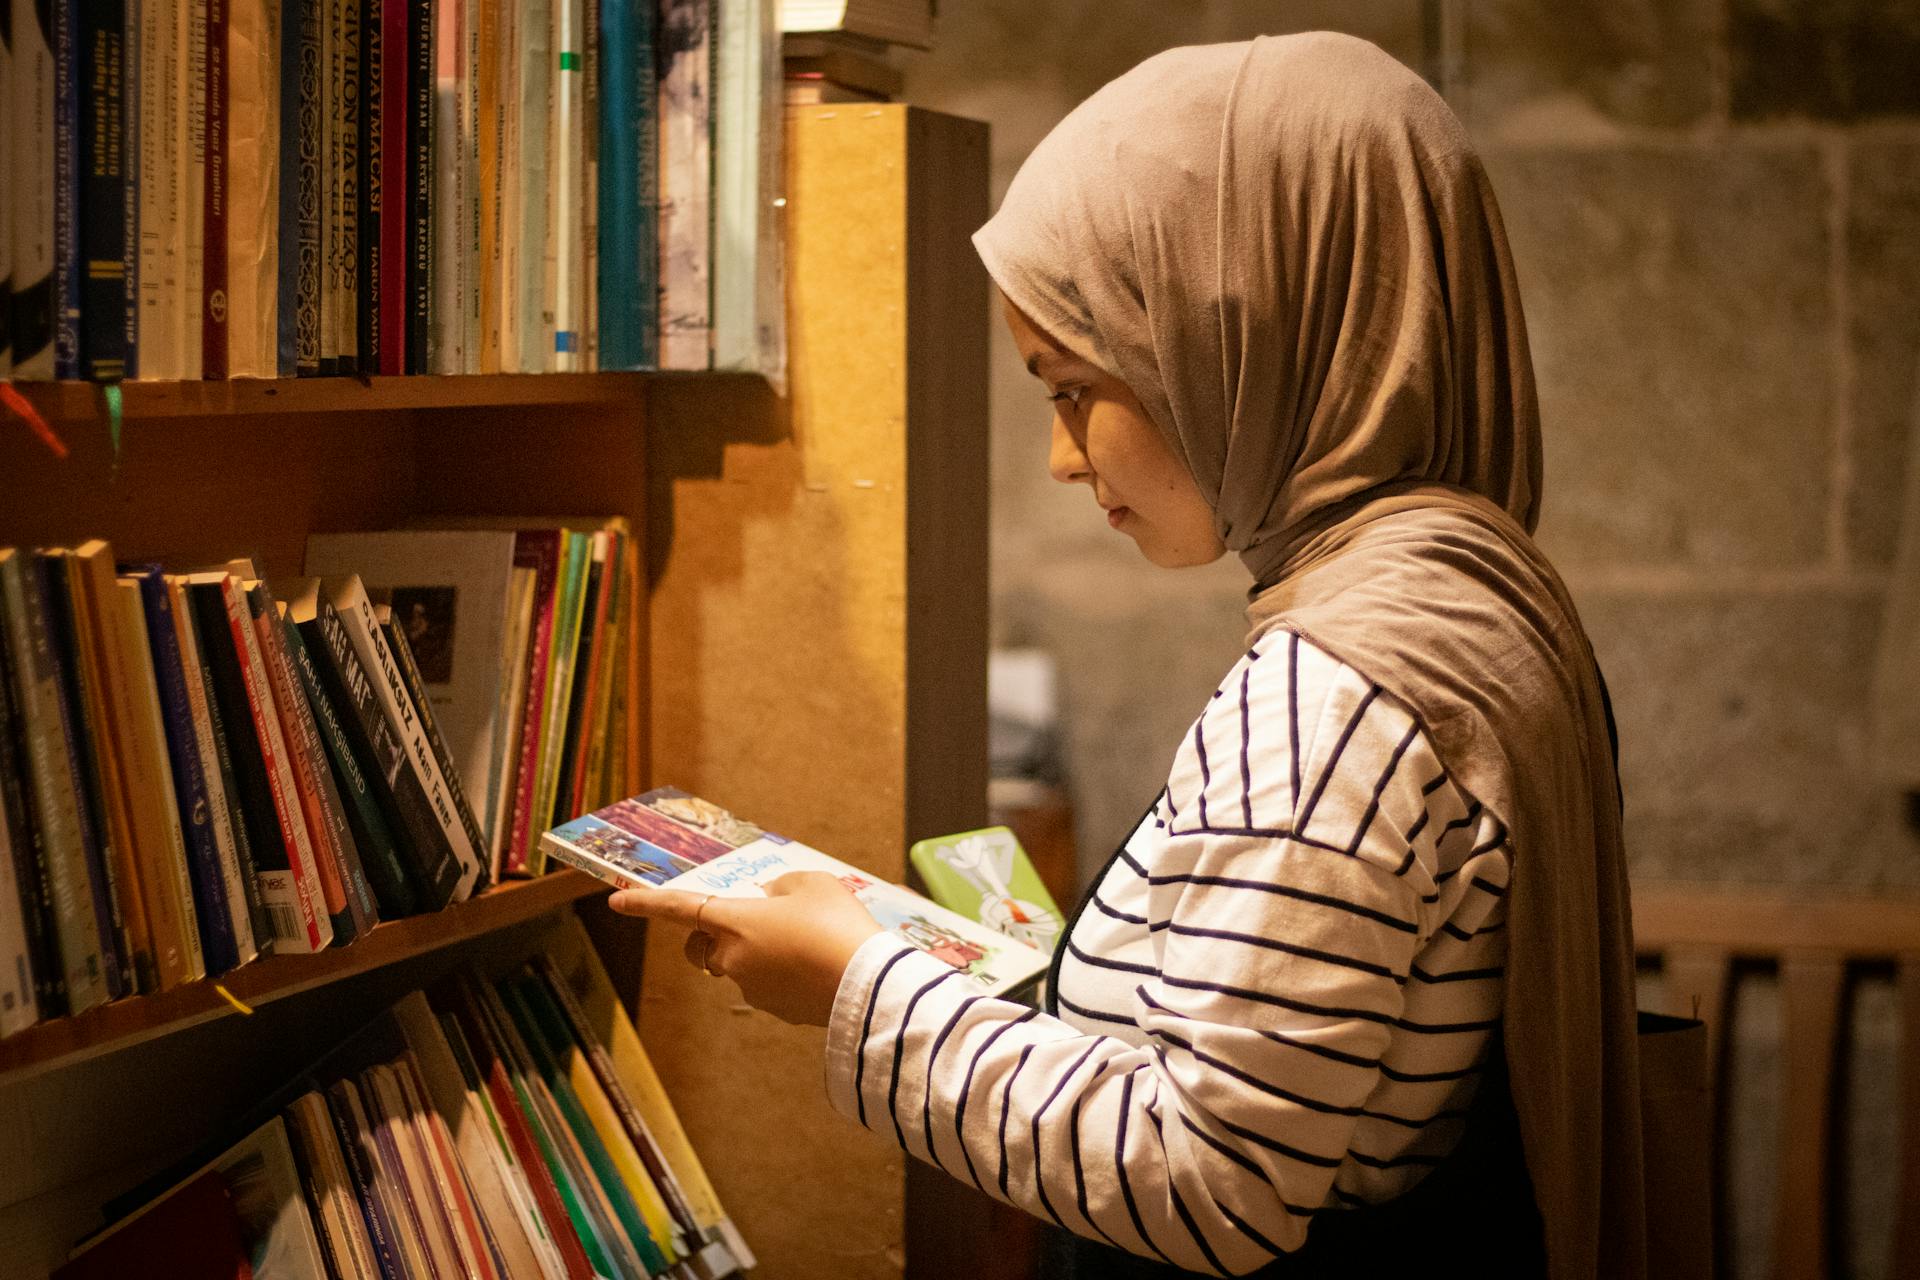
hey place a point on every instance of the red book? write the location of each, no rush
(193, 1234)
(393, 184)
(213, 262)
(539, 550)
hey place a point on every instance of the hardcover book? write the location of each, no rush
(669, 839)
(31, 188)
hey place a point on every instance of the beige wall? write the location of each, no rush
(1715, 205)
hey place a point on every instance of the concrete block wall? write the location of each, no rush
(1715, 208)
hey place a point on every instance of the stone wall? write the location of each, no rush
(1715, 207)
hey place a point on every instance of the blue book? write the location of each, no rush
(106, 305)
(211, 903)
(69, 164)
(629, 284)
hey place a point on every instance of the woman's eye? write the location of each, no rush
(1067, 395)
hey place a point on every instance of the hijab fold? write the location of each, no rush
(1289, 252)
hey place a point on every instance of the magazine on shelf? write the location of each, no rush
(669, 839)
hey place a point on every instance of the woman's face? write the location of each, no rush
(1103, 439)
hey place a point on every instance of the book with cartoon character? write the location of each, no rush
(672, 840)
(985, 875)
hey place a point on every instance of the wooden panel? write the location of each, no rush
(1906, 1227)
(64, 1041)
(1767, 921)
(1811, 986)
(787, 639)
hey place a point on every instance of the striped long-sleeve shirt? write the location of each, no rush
(1275, 1002)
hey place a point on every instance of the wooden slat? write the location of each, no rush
(1906, 1225)
(1763, 922)
(1811, 986)
(72, 402)
(64, 1041)
(1697, 983)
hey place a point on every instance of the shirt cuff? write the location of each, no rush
(846, 1025)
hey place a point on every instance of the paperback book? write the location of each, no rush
(669, 839)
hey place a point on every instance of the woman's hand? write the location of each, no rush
(786, 951)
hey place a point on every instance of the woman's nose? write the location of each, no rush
(1066, 460)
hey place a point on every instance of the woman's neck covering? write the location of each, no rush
(1289, 252)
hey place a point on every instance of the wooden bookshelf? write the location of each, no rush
(67, 402)
(124, 1023)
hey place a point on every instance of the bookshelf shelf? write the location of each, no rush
(63, 1041)
(85, 401)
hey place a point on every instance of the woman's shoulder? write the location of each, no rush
(1296, 742)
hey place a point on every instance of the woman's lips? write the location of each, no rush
(1117, 514)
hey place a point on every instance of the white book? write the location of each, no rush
(192, 126)
(671, 840)
(908, 22)
(685, 37)
(533, 317)
(220, 815)
(507, 194)
(274, 1219)
(253, 189)
(749, 260)
(6, 205)
(157, 344)
(30, 185)
(567, 191)
(349, 599)
(470, 211)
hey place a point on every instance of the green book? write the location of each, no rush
(985, 875)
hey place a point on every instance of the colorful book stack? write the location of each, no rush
(194, 773)
(277, 188)
(504, 1129)
(528, 644)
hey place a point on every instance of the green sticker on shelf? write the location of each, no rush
(569, 61)
(113, 419)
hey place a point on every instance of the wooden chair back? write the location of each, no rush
(1698, 934)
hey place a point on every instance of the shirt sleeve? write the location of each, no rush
(1282, 961)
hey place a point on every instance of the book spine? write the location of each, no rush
(6, 206)
(372, 837)
(486, 75)
(290, 138)
(253, 931)
(103, 206)
(686, 177)
(31, 189)
(98, 848)
(471, 244)
(251, 156)
(507, 198)
(52, 785)
(524, 831)
(620, 193)
(586, 285)
(330, 224)
(222, 824)
(213, 286)
(26, 836)
(157, 338)
(310, 184)
(130, 73)
(535, 312)
(319, 869)
(25, 931)
(363, 630)
(346, 124)
(574, 727)
(435, 874)
(419, 228)
(348, 1126)
(443, 342)
(391, 121)
(372, 177)
(568, 252)
(69, 70)
(299, 891)
(417, 691)
(342, 875)
(166, 874)
(192, 119)
(208, 883)
(19, 1003)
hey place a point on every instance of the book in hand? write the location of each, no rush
(985, 875)
(669, 839)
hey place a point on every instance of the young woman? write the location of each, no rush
(1356, 995)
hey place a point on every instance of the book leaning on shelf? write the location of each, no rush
(277, 188)
(506, 1126)
(195, 772)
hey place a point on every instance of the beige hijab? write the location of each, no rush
(1289, 252)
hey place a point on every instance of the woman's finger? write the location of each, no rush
(698, 949)
(671, 905)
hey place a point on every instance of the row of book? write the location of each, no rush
(280, 188)
(197, 769)
(503, 1129)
